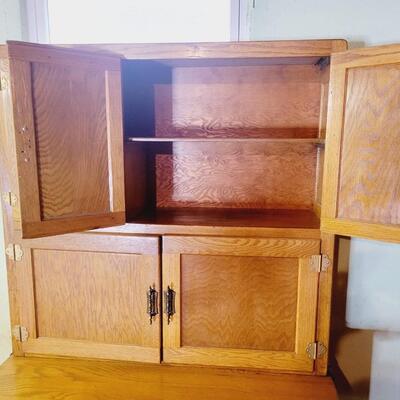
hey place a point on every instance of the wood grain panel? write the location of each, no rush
(239, 302)
(64, 97)
(204, 343)
(276, 247)
(55, 347)
(302, 224)
(369, 188)
(68, 133)
(232, 175)
(100, 297)
(307, 50)
(46, 379)
(325, 302)
(43, 53)
(9, 183)
(115, 150)
(239, 101)
(229, 217)
(278, 361)
(387, 233)
(25, 143)
(367, 56)
(146, 245)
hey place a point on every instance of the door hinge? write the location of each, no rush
(14, 252)
(20, 333)
(169, 296)
(9, 198)
(152, 303)
(320, 263)
(316, 350)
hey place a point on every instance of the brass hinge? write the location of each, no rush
(9, 198)
(20, 333)
(3, 82)
(320, 263)
(316, 350)
(14, 252)
(152, 303)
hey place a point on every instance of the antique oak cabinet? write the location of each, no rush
(178, 203)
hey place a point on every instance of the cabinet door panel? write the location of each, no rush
(249, 310)
(215, 291)
(68, 138)
(361, 184)
(91, 303)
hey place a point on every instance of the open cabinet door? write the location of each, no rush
(67, 117)
(361, 195)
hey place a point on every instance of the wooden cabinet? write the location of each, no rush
(215, 150)
(240, 302)
(85, 295)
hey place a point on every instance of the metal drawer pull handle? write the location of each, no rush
(152, 303)
(169, 296)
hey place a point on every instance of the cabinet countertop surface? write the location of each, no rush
(40, 378)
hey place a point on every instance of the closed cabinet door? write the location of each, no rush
(361, 195)
(240, 302)
(90, 295)
(66, 127)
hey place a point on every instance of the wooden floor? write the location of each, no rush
(40, 378)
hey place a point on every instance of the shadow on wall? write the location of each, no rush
(351, 348)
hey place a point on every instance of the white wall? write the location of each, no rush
(362, 23)
(12, 26)
(367, 22)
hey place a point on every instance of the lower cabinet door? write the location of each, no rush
(240, 302)
(86, 295)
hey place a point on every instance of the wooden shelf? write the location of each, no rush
(222, 222)
(229, 217)
(227, 139)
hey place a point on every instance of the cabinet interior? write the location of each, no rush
(224, 142)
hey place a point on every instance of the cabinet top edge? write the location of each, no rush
(248, 49)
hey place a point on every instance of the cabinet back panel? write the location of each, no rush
(370, 162)
(269, 101)
(280, 101)
(72, 138)
(239, 302)
(237, 175)
(100, 297)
